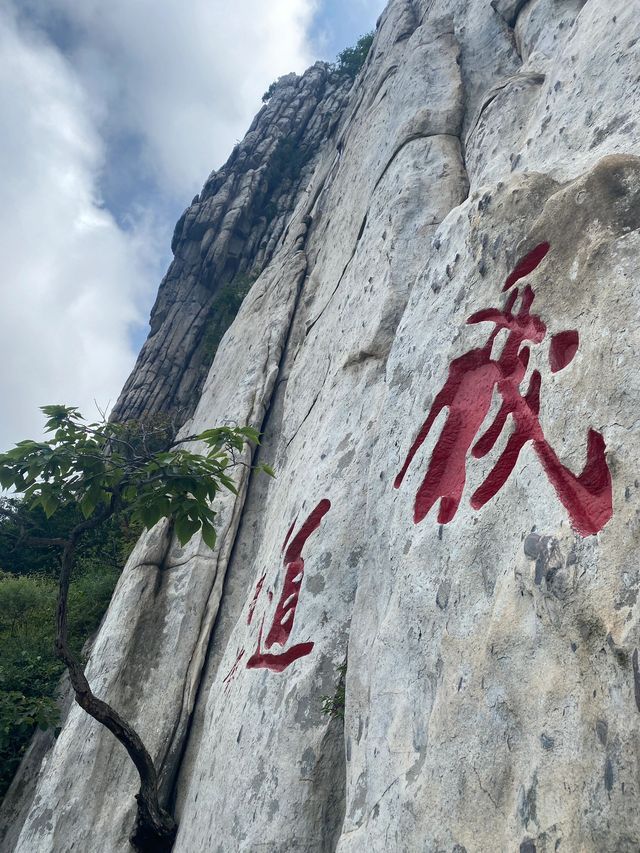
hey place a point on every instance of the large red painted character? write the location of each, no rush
(468, 393)
(284, 616)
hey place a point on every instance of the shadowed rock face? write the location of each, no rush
(453, 299)
(229, 233)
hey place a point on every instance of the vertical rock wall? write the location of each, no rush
(441, 353)
(229, 234)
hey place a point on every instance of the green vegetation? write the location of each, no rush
(226, 304)
(29, 669)
(269, 93)
(105, 549)
(290, 157)
(91, 476)
(348, 62)
(351, 59)
(286, 163)
(333, 706)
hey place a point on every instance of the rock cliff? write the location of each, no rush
(227, 236)
(441, 350)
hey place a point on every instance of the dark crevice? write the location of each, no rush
(361, 356)
(412, 24)
(403, 145)
(397, 151)
(342, 275)
(536, 79)
(362, 227)
(181, 751)
(512, 19)
(395, 154)
(173, 775)
(333, 292)
(389, 73)
(329, 783)
(508, 26)
(311, 407)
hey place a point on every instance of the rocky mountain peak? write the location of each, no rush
(227, 236)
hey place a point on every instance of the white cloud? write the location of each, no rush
(181, 78)
(70, 278)
(185, 76)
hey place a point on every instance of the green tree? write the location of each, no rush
(107, 546)
(108, 470)
(351, 59)
(29, 670)
(270, 92)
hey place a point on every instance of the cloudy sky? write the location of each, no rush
(112, 116)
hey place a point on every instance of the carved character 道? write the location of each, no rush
(285, 612)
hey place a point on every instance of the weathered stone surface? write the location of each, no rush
(18, 799)
(492, 689)
(509, 9)
(484, 703)
(230, 231)
(147, 661)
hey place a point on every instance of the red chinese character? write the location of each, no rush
(284, 616)
(468, 393)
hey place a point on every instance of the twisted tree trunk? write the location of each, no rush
(155, 829)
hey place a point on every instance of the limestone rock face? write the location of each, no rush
(229, 232)
(441, 351)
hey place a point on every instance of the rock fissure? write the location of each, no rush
(311, 407)
(313, 322)
(509, 10)
(525, 77)
(488, 604)
(208, 632)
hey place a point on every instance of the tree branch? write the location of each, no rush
(155, 828)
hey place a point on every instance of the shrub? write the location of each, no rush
(269, 93)
(333, 706)
(286, 163)
(29, 669)
(351, 59)
(19, 717)
(224, 307)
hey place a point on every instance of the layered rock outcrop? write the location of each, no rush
(227, 236)
(441, 353)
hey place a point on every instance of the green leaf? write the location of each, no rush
(150, 514)
(250, 433)
(209, 534)
(6, 478)
(15, 453)
(228, 483)
(185, 528)
(50, 504)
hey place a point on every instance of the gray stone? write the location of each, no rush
(230, 231)
(492, 688)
